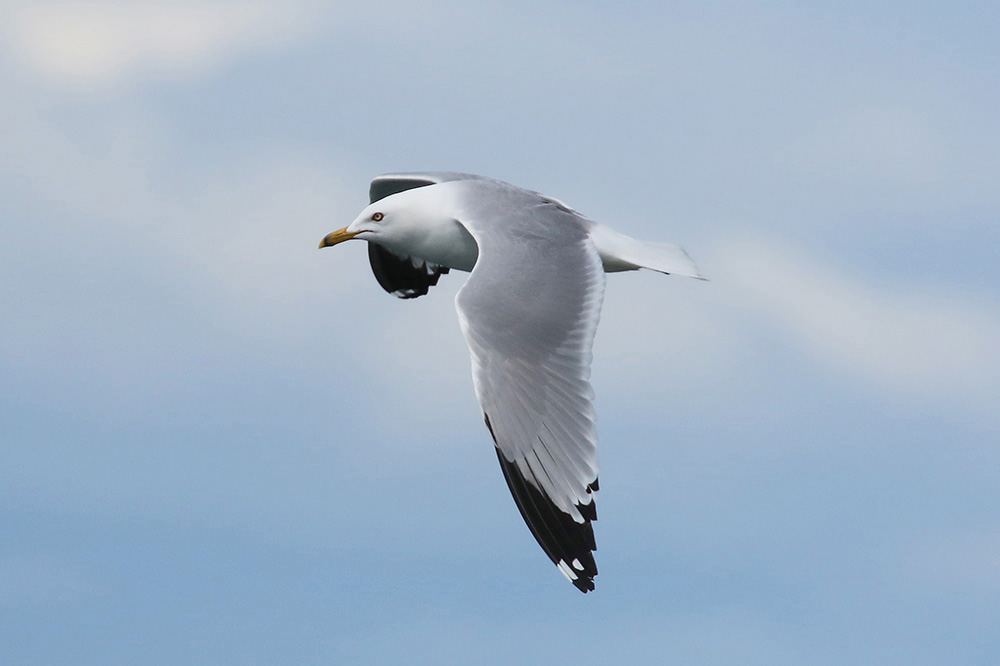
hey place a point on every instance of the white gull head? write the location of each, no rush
(421, 222)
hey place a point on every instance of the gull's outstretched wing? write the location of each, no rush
(402, 276)
(529, 311)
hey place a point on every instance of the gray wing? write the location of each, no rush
(529, 311)
(404, 276)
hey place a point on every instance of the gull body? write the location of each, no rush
(425, 222)
(529, 311)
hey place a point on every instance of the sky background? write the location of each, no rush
(223, 446)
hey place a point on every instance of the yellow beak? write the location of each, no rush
(338, 236)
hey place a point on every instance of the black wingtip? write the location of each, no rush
(584, 584)
(569, 544)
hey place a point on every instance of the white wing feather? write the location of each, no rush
(529, 312)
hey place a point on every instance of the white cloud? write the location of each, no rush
(99, 43)
(926, 343)
(904, 340)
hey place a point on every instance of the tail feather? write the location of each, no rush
(624, 253)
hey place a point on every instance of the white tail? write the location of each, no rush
(624, 253)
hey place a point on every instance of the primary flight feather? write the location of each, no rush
(529, 311)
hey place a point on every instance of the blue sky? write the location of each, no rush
(223, 446)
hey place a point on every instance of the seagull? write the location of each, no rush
(529, 311)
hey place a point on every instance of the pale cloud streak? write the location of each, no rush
(906, 341)
(95, 44)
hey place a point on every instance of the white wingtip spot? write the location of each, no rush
(566, 571)
(577, 564)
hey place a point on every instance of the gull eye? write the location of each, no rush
(377, 217)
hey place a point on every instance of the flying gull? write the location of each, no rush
(529, 311)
